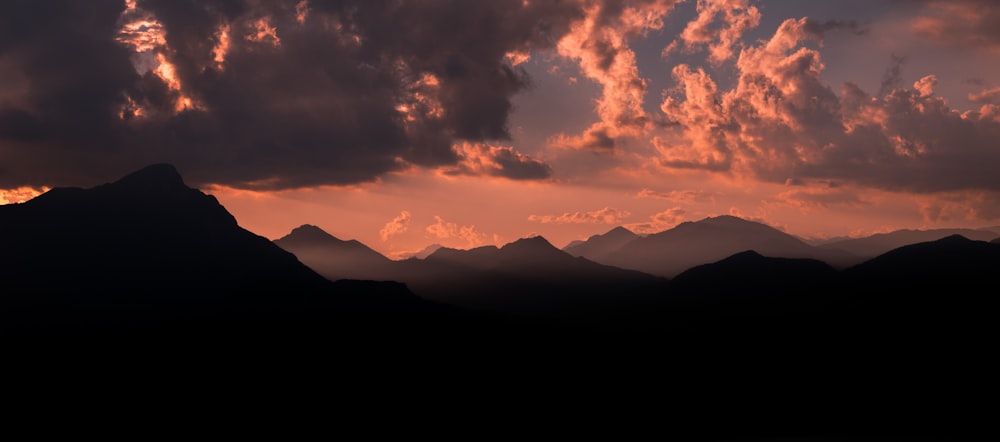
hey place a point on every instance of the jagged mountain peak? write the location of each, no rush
(156, 177)
(530, 243)
(309, 232)
(619, 231)
(954, 239)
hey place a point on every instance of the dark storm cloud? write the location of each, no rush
(305, 93)
(892, 78)
(821, 28)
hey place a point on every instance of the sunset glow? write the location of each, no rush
(407, 124)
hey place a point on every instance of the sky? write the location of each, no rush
(408, 123)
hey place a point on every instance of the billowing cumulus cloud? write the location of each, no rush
(396, 226)
(443, 230)
(599, 43)
(719, 26)
(782, 123)
(607, 215)
(266, 94)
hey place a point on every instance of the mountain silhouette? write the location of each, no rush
(750, 312)
(934, 299)
(422, 253)
(598, 247)
(527, 276)
(689, 244)
(148, 246)
(945, 270)
(874, 245)
(750, 284)
(332, 257)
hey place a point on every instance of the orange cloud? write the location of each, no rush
(146, 36)
(264, 32)
(660, 221)
(719, 26)
(20, 194)
(142, 34)
(396, 226)
(781, 123)
(302, 11)
(598, 42)
(443, 230)
(811, 198)
(222, 46)
(925, 85)
(991, 96)
(606, 215)
(678, 196)
(499, 161)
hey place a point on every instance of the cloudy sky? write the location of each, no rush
(465, 123)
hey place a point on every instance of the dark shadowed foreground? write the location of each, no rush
(148, 292)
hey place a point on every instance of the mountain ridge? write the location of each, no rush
(670, 252)
(146, 245)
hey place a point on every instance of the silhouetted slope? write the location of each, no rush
(422, 253)
(334, 258)
(748, 284)
(526, 276)
(936, 301)
(598, 247)
(874, 245)
(995, 241)
(149, 246)
(690, 244)
(950, 274)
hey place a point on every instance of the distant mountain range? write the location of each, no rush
(529, 275)
(147, 246)
(689, 244)
(718, 308)
(874, 245)
(334, 258)
(664, 254)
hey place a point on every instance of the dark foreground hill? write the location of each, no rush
(147, 249)
(148, 287)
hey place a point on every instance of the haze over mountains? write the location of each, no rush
(664, 254)
(147, 260)
(670, 252)
(148, 237)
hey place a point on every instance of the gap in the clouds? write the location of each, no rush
(560, 100)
